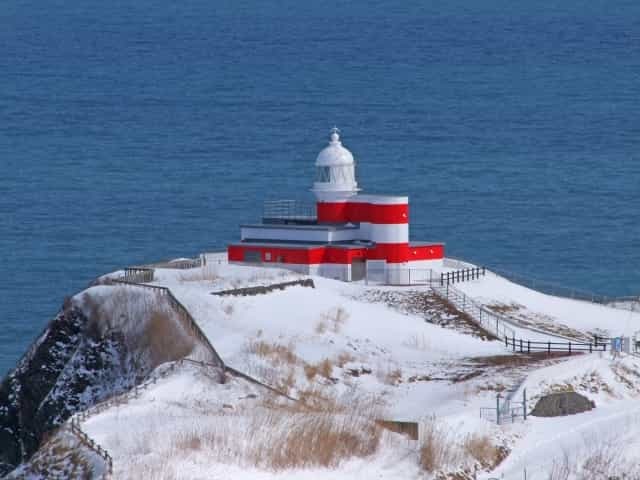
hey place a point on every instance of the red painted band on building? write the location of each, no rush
(426, 252)
(303, 255)
(391, 252)
(343, 212)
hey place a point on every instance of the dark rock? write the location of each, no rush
(262, 290)
(64, 371)
(561, 404)
(81, 359)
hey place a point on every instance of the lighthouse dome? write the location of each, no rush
(335, 172)
(334, 154)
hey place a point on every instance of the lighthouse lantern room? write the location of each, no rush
(349, 236)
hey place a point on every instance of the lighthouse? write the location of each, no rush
(335, 172)
(346, 235)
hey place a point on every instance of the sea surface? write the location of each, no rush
(133, 131)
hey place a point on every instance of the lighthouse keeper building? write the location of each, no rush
(348, 237)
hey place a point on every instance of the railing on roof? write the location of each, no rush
(289, 210)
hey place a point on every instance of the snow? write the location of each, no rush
(415, 369)
(547, 310)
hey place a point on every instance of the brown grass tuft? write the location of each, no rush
(481, 448)
(437, 450)
(276, 353)
(344, 358)
(321, 327)
(325, 368)
(335, 318)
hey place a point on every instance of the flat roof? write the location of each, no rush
(301, 245)
(293, 226)
(349, 244)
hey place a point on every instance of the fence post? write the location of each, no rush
(514, 341)
(528, 346)
(524, 403)
(590, 347)
(549, 348)
(520, 345)
(506, 341)
(498, 408)
(569, 348)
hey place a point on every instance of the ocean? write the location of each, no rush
(139, 131)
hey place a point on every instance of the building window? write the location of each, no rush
(252, 256)
(323, 174)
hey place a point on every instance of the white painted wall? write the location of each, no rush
(302, 235)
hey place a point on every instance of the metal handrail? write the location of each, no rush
(289, 210)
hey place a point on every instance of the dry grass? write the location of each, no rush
(504, 308)
(600, 460)
(284, 436)
(344, 358)
(441, 452)
(321, 327)
(482, 449)
(393, 377)
(389, 374)
(519, 359)
(208, 273)
(164, 339)
(310, 371)
(276, 353)
(152, 329)
(438, 450)
(61, 456)
(335, 318)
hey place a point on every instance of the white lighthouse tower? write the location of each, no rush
(335, 172)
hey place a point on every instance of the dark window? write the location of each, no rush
(252, 256)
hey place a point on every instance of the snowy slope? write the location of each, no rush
(333, 345)
(541, 310)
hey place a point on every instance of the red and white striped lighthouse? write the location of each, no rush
(348, 232)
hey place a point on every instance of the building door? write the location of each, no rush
(358, 269)
(376, 271)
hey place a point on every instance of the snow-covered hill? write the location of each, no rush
(350, 355)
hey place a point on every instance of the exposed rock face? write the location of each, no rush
(104, 342)
(64, 371)
(561, 404)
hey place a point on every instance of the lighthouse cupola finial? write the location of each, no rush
(335, 171)
(335, 135)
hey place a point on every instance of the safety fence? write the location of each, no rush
(184, 316)
(463, 275)
(135, 392)
(138, 274)
(87, 441)
(124, 398)
(483, 317)
(378, 274)
(518, 345)
(284, 211)
(631, 303)
(506, 410)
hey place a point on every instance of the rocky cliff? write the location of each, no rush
(102, 343)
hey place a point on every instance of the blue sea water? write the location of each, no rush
(137, 131)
